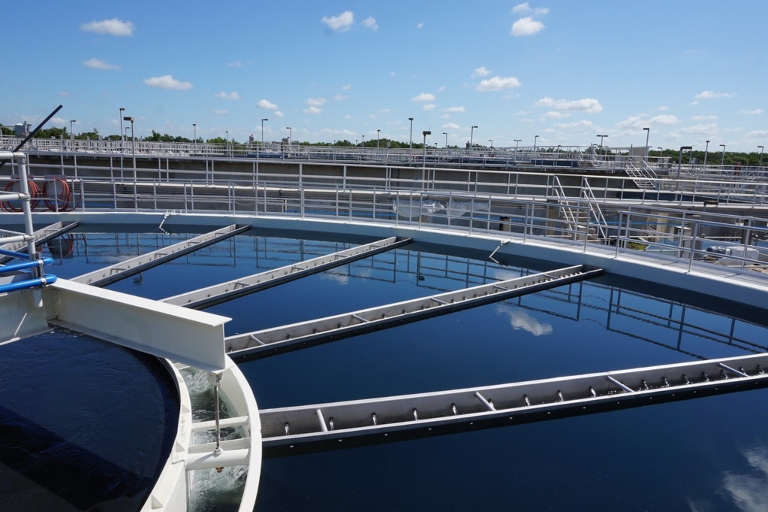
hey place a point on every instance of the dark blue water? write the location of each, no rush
(84, 424)
(701, 455)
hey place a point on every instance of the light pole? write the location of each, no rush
(194, 141)
(410, 137)
(378, 138)
(491, 141)
(647, 136)
(535, 138)
(289, 134)
(362, 144)
(706, 149)
(471, 135)
(72, 133)
(680, 158)
(601, 141)
(262, 131)
(120, 127)
(722, 158)
(760, 165)
(424, 158)
(446, 139)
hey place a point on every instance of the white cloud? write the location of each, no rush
(167, 82)
(99, 64)
(498, 83)
(227, 96)
(575, 125)
(312, 110)
(589, 105)
(235, 64)
(708, 95)
(702, 129)
(316, 102)
(279, 114)
(429, 106)
(64, 94)
(267, 105)
(340, 23)
(340, 97)
(113, 27)
(663, 108)
(370, 22)
(522, 320)
(220, 112)
(346, 87)
(424, 96)
(521, 8)
(419, 25)
(751, 112)
(481, 72)
(451, 126)
(458, 110)
(704, 118)
(526, 27)
(555, 114)
(664, 119)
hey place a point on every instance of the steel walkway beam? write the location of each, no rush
(133, 266)
(42, 236)
(212, 295)
(269, 342)
(335, 425)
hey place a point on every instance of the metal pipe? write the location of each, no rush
(29, 283)
(25, 264)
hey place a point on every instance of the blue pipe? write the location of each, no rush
(14, 254)
(25, 264)
(29, 283)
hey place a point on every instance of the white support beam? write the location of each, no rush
(180, 334)
(20, 316)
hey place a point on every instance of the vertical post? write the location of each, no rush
(215, 379)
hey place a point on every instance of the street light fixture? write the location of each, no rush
(491, 141)
(760, 165)
(194, 141)
(680, 158)
(601, 141)
(706, 150)
(535, 138)
(446, 140)
(72, 132)
(410, 137)
(378, 138)
(362, 144)
(647, 136)
(289, 134)
(424, 158)
(471, 134)
(119, 127)
(722, 158)
(262, 130)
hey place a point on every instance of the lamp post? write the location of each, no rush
(535, 138)
(601, 141)
(722, 158)
(471, 134)
(680, 159)
(491, 141)
(760, 165)
(262, 131)
(72, 133)
(647, 136)
(120, 127)
(410, 137)
(362, 144)
(446, 139)
(194, 140)
(706, 150)
(378, 138)
(290, 132)
(424, 158)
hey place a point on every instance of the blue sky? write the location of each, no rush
(564, 70)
